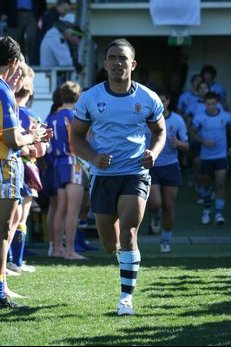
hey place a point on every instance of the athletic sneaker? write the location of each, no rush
(11, 273)
(23, 268)
(13, 267)
(205, 219)
(6, 303)
(219, 219)
(165, 247)
(124, 308)
(27, 268)
(154, 224)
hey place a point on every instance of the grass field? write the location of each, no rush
(181, 298)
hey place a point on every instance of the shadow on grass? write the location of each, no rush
(213, 309)
(25, 313)
(102, 259)
(189, 335)
(188, 286)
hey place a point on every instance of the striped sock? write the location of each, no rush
(129, 266)
(2, 287)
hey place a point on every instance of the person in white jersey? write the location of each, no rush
(117, 110)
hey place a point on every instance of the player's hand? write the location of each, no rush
(173, 142)
(49, 134)
(38, 134)
(102, 161)
(148, 160)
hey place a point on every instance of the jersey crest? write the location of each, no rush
(101, 106)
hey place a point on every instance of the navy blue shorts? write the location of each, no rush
(195, 148)
(209, 166)
(65, 174)
(48, 180)
(167, 175)
(106, 190)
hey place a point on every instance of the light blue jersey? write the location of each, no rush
(219, 90)
(118, 125)
(213, 128)
(185, 100)
(175, 127)
(200, 107)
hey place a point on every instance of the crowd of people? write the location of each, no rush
(114, 150)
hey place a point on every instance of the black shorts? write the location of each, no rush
(167, 175)
(106, 190)
(209, 166)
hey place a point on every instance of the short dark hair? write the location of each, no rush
(9, 50)
(209, 69)
(60, 2)
(211, 95)
(120, 42)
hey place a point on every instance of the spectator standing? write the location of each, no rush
(46, 22)
(47, 170)
(57, 44)
(29, 153)
(11, 141)
(69, 175)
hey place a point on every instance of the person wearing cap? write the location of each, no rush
(55, 46)
(46, 21)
